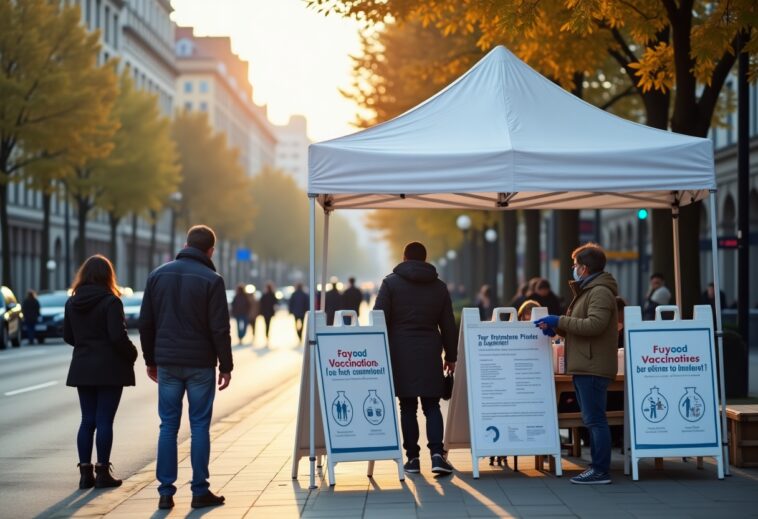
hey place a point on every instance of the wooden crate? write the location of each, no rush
(743, 435)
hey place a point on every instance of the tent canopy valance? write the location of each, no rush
(504, 137)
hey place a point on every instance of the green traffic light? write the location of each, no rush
(642, 214)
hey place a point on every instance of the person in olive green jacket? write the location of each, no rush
(590, 328)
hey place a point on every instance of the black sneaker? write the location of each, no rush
(412, 466)
(590, 477)
(166, 502)
(440, 465)
(209, 499)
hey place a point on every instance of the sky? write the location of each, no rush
(299, 59)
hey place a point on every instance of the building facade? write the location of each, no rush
(292, 149)
(140, 34)
(214, 80)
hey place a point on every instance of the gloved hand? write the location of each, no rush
(550, 320)
(549, 332)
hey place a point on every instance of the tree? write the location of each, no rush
(53, 97)
(215, 190)
(666, 49)
(142, 170)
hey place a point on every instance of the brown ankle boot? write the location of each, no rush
(87, 476)
(103, 478)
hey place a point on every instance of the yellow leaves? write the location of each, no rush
(656, 68)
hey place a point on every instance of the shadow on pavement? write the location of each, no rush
(67, 506)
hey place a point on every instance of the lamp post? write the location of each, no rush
(451, 255)
(176, 199)
(464, 224)
(490, 236)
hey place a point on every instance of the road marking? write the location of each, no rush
(31, 388)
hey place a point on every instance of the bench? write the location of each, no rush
(743, 434)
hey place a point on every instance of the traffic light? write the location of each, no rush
(642, 214)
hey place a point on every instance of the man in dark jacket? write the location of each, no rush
(184, 331)
(298, 306)
(420, 324)
(352, 297)
(333, 302)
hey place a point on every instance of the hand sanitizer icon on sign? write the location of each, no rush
(655, 407)
(691, 405)
(373, 408)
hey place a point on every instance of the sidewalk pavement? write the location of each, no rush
(251, 467)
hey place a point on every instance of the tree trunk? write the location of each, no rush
(83, 208)
(133, 254)
(532, 253)
(44, 273)
(114, 221)
(509, 233)
(567, 228)
(5, 230)
(153, 240)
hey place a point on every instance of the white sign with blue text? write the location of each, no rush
(671, 387)
(511, 389)
(356, 392)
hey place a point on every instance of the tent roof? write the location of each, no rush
(503, 136)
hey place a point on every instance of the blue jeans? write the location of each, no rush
(592, 396)
(99, 405)
(30, 330)
(200, 386)
(242, 323)
(409, 425)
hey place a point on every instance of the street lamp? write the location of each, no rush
(175, 198)
(490, 236)
(451, 255)
(464, 224)
(51, 265)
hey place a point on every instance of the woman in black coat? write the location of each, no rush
(268, 306)
(101, 365)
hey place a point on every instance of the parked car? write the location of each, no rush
(132, 305)
(12, 321)
(52, 309)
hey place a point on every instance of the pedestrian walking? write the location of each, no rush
(268, 306)
(184, 331)
(590, 328)
(102, 364)
(333, 302)
(658, 295)
(485, 303)
(420, 323)
(255, 311)
(30, 309)
(298, 306)
(352, 297)
(241, 311)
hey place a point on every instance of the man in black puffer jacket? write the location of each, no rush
(420, 325)
(184, 331)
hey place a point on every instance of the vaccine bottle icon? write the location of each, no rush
(691, 405)
(373, 408)
(342, 409)
(655, 407)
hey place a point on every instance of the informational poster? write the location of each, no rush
(671, 386)
(510, 388)
(356, 385)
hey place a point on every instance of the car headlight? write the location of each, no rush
(58, 318)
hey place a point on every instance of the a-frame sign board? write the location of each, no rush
(503, 399)
(356, 394)
(672, 400)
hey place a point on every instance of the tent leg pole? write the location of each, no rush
(325, 259)
(312, 343)
(677, 261)
(719, 330)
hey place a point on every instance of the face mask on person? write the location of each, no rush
(577, 276)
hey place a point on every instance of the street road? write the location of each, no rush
(39, 416)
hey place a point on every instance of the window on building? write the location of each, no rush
(97, 13)
(188, 106)
(88, 13)
(187, 87)
(115, 31)
(203, 87)
(107, 24)
(203, 106)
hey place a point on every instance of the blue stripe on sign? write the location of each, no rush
(368, 449)
(676, 446)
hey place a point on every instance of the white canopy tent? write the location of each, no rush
(504, 137)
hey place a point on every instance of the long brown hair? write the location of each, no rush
(96, 270)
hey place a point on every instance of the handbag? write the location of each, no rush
(447, 388)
